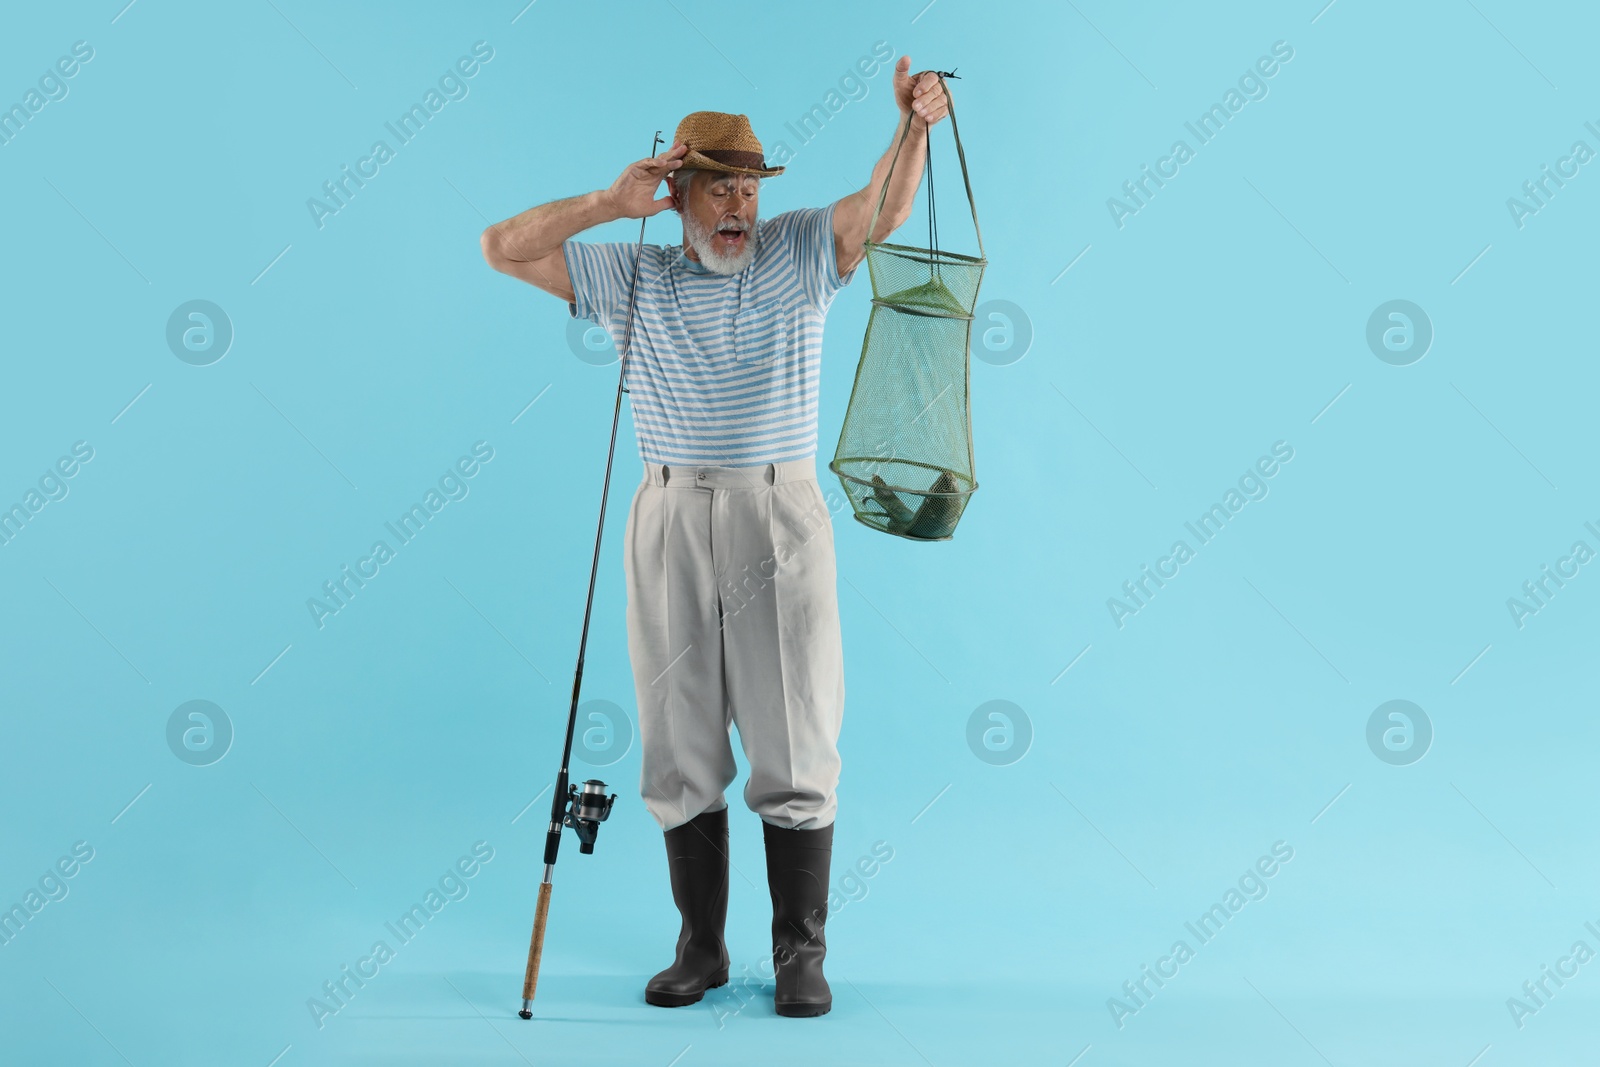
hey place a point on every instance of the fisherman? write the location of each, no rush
(732, 610)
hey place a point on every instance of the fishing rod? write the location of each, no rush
(582, 809)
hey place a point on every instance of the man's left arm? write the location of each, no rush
(922, 101)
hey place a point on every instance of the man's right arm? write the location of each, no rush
(528, 246)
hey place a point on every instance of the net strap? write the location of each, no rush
(965, 180)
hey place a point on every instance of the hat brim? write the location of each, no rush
(699, 161)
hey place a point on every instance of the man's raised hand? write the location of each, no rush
(633, 194)
(920, 94)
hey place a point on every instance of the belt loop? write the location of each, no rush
(772, 474)
(666, 475)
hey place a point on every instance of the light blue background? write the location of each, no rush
(1228, 714)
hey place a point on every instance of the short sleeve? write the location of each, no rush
(599, 274)
(812, 233)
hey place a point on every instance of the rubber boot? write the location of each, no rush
(697, 857)
(797, 874)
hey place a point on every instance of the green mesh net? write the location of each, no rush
(905, 450)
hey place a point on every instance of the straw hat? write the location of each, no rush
(722, 142)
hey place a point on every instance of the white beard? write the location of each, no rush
(703, 243)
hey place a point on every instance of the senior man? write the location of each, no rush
(728, 553)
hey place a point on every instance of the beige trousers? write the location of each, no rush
(733, 619)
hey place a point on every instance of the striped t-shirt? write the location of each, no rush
(724, 367)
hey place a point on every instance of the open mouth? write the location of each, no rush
(731, 238)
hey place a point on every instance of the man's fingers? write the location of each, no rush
(652, 171)
(662, 164)
(928, 97)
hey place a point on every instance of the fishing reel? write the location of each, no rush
(586, 810)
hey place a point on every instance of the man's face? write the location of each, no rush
(719, 220)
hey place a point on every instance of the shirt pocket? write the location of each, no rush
(764, 331)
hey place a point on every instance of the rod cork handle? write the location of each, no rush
(530, 978)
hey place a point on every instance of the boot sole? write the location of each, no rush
(804, 1011)
(678, 1000)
